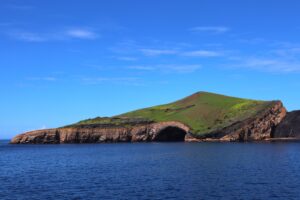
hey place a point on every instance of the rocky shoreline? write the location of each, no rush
(262, 127)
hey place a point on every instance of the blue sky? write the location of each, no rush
(64, 61)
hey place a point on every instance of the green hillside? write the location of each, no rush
(203, 112)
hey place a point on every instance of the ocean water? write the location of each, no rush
(150, 171)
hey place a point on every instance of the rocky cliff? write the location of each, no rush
(289, 127)
(258, 127)
(86, 134)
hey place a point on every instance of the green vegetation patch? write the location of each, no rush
(113, 121)
(203, 112)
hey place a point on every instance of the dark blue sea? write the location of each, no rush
(150, 171)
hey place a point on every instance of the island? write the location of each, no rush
(203, 116)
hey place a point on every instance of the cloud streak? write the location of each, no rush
(167, 68)
(19, 7)
(202, 53)
(48, 78)
(276, 65)
(197, 53)
(29, 37)
(210, 29)
(127, 58)
(79, 33)
(158, 52)
(114, 80)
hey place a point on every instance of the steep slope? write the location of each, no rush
(201, 116)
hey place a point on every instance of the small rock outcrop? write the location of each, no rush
(289, 127)
(258, 127)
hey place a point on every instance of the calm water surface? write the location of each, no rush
(150, 171)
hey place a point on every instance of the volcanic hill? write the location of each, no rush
(202, 116)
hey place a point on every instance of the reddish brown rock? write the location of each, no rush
(260, 127)
(163, 131)
(289, 127)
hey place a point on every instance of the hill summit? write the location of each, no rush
(203, 112)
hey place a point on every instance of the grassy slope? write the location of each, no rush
(202, 111)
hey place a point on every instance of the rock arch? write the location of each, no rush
(169, 132)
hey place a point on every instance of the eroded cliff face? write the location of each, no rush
(260, 127)
(139, 133)
(289, 126)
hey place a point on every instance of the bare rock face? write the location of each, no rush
(260, 127)
(289, 127)
(163, 131)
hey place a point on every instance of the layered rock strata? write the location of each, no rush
(85, 134)
(259, 127)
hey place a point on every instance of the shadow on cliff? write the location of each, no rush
(171, 134)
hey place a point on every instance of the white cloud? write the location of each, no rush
(167, 68)
(198, 53)
(211, 29)
(127, 58)
(141, 67)
(19, 7)
(115, 80)
(158, 52)
(49, 78)
(202, 53)
(81, 34)
(252, 41)
(288, 52)
(28, 36)
(283, 59)
(271, 65)
(181, 68)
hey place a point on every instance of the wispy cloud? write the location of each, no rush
(19, 7)
(158, 52)
(288, 52)
(202, 53)
(129, 49)
(47, 78)
(114, 80)
(141, 67)
(280, 65)
(127, 58)
(276, 65)
(274, 57)
(66, 34)
(196, 53)
(252, 41)
(167, 68)
(181, 68)
(210, 29)
(28, 37)
(81, 33)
